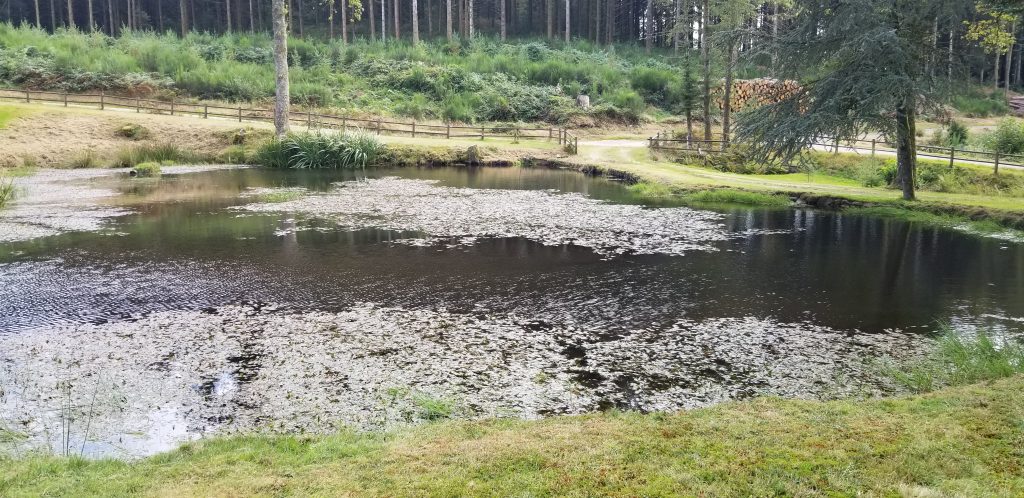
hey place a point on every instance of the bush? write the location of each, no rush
(321, 151)
(460, 108)
(146, 170)
(133, 131)
(1007, 138)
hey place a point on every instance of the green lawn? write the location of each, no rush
(963, 441)
(8, 113)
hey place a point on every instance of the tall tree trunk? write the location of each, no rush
(649, 26)
(302, 25)
(53, 16)
(470, 16)
(775, 34)
(430, 18)
(395, 9)
(282, 96)
(183, 7)
(344, 22)
(330, 19)
(568, 26)
(995, 73)
(373, 21)
(71, 16)
(1009, 56)
(383, 19)
(160, 14)
(705, 56)
(609, 22)
(949, 60)
(551, 18)
(448, 18)
(227, 13)
(111, 27)
(906, 148)
(39, 22)
(415, 23)
(727, 102)
(252, 19)
(677, 25)
(504, 22)
(92, 21)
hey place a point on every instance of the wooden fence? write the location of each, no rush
(311, 120)
(952, 154)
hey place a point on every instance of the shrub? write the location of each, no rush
(1007, 138)
(418, 106)
(459, 108)
(321, 151)
(146, 170)
(133, 131)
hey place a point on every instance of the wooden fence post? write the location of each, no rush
(997, 164)
(952, 156)
(103, 104)
(28, 97)
(873, 142)
(378, 126)
(448, 131)
(206, 111)
(481, 133)
(344, 125)
(172, 108)
(65, 99)
(309, 120)
(138, 106)
(239, 114)
(551, 134)
(576, 145)
(413, 129)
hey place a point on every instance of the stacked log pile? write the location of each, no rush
(1017, 105)
(757, 92)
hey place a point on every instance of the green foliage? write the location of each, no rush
(147, 169)
(433, 409)
(321, 151)
(7, 191)
(1007, 138)
(960, 359)
(978, 104)
(87, 159)
(133, 131)
(466, 81)
(936, 176)
(732, 196)
(155, 153)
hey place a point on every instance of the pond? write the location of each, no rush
(241, 299)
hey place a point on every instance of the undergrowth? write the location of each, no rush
(960, 359)
(320, 150)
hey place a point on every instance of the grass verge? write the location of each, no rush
(963, 441)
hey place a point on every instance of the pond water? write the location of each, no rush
(244, 299)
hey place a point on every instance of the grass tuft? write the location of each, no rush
(147, 170)
(960, 359)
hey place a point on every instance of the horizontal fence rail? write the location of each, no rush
(309, 119)
(952, 154)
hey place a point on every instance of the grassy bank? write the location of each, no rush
(959, 441)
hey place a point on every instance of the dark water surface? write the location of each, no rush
(184, 250)
(194, 316)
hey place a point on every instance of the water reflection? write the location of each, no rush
(182, 249)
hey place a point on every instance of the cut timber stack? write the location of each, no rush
(758, 92)
(1017, 105)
